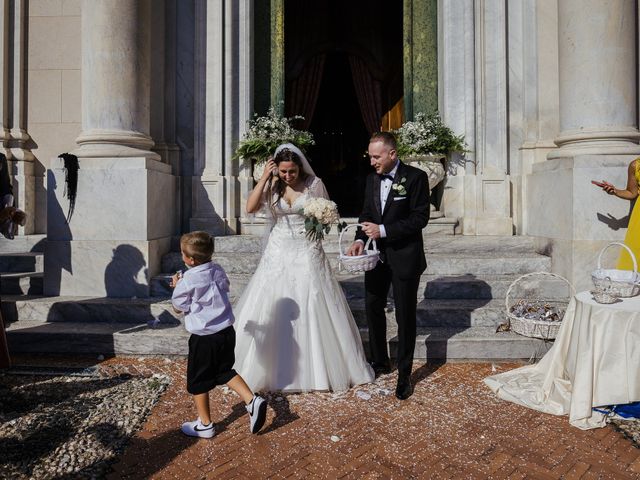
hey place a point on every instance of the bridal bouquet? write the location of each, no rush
(320, 214)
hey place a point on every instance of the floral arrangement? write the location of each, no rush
(428, 135)
(266, 133)
(320, 214)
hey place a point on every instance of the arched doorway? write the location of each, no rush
(343, 73)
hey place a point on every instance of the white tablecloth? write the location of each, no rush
(595, 361)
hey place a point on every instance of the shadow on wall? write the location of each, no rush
(58, 250)
(617, 223)
(122, 272)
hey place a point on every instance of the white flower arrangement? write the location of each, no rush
(320, 214)
(266, 133)
(428, 135)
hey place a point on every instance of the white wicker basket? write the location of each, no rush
(621, 283)
(360, 263)
(544, 329)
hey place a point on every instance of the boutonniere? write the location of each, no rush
(399, 186)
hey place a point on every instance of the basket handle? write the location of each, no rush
(506, 299)
(366, 245)
(633, 257)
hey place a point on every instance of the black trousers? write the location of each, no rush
(405, 294)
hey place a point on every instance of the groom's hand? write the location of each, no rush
(371, 230)
(356, 248)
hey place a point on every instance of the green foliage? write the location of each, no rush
(265, 134)
(428, 135)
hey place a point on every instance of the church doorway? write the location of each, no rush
(344, 74)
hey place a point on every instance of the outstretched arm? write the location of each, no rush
(631, 191)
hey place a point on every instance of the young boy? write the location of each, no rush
(202, 293)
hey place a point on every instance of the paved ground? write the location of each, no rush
(452, 427)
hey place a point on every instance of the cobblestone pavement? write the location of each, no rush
(452, 427)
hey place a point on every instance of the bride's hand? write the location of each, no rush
(270, 169)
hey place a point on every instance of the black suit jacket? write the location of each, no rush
(404, 217)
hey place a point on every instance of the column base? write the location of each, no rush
(102, 268)
(487, 203)
(121, 226)
(572, 218)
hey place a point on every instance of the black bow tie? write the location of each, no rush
(386, 176)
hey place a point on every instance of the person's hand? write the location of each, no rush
(372, 230)
(19, 217)
(175, 279)
(7, 213)
(269, 169)
(607, 187)
(356, 248)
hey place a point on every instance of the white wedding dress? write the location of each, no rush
(294, 328)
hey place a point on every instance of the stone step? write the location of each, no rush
(23, 243)
(87, 309)
(475, 343)
(431, 286)
(15, 262)
(444, 244)
(109, 338)
(430, 313)
(454, 313)
(491, 263)
(21, 283)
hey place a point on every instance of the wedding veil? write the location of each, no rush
(305, 163)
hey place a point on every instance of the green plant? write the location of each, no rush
(428, 135)
(265, 133)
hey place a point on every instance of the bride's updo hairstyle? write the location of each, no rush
(286, 155)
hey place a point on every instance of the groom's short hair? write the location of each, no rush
(388, 138)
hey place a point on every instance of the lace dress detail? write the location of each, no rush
(294, 328)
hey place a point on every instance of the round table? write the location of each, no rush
(595, 361)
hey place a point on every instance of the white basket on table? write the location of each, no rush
(545, 329)
(620, 283)
(359, 263)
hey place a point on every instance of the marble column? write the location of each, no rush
(598, 79)
(487, 186)
(115, 79)
(13, 92)
(456, 85)
(122, 222)
(223, 83)
(598, 136)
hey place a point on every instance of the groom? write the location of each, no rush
(396, 209)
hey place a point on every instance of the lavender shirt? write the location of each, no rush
(203, 294)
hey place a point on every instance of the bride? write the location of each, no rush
(295, 331)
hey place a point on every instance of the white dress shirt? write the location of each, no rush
(385, 189)
(203, 294)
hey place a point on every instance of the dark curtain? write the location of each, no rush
(369, 92)
(302, 92)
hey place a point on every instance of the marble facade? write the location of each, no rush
(153, 105)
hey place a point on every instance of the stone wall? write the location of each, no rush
(53, 87)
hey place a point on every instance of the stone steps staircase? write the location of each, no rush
(22, 265)
(461, 303)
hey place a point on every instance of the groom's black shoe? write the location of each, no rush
(403, 388)
(380, 368)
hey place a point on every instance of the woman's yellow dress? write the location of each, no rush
(632, 240)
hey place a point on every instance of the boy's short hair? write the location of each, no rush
(198, 245)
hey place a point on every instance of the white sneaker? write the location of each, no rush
(257, 413)
(198, 429)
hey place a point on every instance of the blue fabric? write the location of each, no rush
(626, 410)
